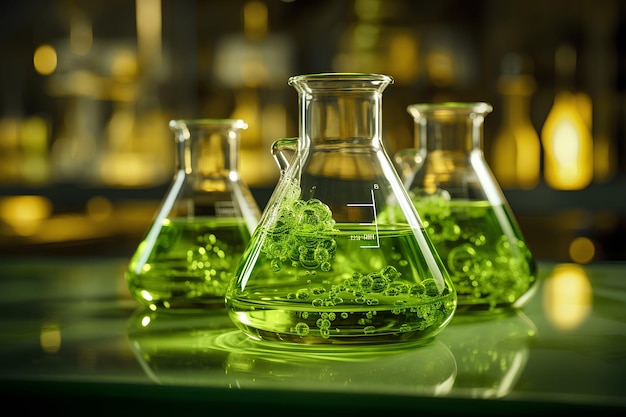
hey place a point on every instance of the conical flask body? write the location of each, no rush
(463, 208)
(326, 264)
(203, 225)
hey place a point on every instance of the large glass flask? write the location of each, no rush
(463, 208)
(205, 221)
(340, 255)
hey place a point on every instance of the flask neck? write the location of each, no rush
(208, 148)
(339, 107)
(453, 127)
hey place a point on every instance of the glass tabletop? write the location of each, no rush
(70, 331)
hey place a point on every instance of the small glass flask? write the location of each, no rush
(340, 256)
(194, 244)
(463, 208)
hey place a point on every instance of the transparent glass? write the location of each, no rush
(463, 208)
(340, 255)
(205, 221)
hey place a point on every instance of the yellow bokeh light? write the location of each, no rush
(50, 337)
(582, 250)
(255, 19)
(81, 35)
(568, 145)
(34, 134)
(25, 213)
(99, 208)
(45, 59)
(567, 296)
(403, 58)
(440, 67)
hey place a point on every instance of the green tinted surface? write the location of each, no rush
(72, 339)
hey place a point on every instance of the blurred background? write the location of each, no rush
(87, 88)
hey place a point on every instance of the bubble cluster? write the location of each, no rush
(434, 210)
(211, 260)
(207, 254)
(191, 262)
(311, 278)
(366, 290)
(293, 236)
(486, 263)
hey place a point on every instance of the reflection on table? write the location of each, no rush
(69, 330)
(208, 350)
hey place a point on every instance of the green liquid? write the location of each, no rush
(189, 264)
(483, 249)
(340, 284)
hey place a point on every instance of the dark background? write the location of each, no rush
(64, 194)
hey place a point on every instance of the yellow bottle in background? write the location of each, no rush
(516, 151)
(566, 133)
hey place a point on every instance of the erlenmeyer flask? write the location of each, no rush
(463, 208)
(205, 221)
(340, 255)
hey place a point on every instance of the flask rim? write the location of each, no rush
(217, 123)
(340, 80)
(450, 107)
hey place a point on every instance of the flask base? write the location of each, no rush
(343, 327)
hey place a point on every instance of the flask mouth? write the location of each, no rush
(178, 124)
(344, 81)
(450, 108)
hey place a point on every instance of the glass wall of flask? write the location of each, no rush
(463, 208)
(193, 246)
(340, 255)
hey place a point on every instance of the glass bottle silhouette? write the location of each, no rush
(193, 245)
(516, 147)
(340, 255)
(566, 133)
(463, 208)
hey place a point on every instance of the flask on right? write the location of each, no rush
(463, 208)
